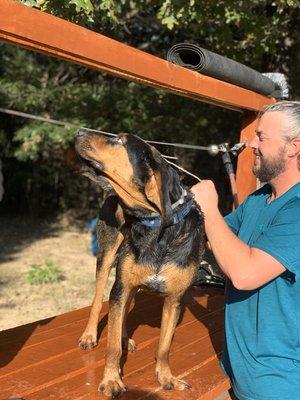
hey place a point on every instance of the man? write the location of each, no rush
(258, 248)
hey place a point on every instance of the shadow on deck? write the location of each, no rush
(42, 360)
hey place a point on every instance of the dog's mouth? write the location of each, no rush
(84, 147)
(121, 178)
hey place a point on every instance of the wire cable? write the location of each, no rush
(61, 123)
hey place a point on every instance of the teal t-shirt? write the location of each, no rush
(262, 326)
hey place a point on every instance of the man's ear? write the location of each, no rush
(294, 147)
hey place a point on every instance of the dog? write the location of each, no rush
(154, 231)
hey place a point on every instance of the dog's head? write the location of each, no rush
(137, 171)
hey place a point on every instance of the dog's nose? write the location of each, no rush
(81, 132)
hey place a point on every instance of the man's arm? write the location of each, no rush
(248, 268)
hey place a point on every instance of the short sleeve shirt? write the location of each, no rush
(262, 346)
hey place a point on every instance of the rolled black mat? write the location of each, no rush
(212, 64)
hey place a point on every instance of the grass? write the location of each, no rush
(44, 274)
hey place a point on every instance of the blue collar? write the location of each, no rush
(177, 216)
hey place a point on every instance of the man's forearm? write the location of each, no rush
(232, 255)
(248, 268)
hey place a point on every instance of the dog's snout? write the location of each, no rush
(82, 132)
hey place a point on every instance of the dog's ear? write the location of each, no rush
(157, 190)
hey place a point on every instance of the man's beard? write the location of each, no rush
(269, 168)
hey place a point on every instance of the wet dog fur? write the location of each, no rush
(163, 260)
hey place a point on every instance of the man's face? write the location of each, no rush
(269, 146)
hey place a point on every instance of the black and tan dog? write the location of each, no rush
(156, 231)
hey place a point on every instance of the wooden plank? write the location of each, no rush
(245, 179)
(61, 365)
(225, 396)
(208, 382)
(46, 33)
(51, 327)
(138, 372)
(59, 347)
(11, 336)
(67, 340)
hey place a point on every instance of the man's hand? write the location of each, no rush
(206, 196)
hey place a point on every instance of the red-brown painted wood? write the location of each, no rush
(245, 179)
(42, 360)
(54, 36)
(46, 33)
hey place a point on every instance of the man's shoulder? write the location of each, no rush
(293, 204)
(291, 197)
(290, 201)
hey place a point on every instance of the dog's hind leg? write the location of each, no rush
(171, 311)
(112, 384)
(105, 260)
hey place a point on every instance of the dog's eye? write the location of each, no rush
(115, 140)
(96, 164)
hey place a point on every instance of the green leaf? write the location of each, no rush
(30, 3)
(170, 21)
(84, 5)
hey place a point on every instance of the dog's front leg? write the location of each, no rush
(112, 384)
(171, 311)
(105, 260)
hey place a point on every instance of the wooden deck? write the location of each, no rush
(42, 361)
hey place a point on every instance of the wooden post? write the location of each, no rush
(245, 180)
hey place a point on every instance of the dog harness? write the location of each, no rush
(155, 221)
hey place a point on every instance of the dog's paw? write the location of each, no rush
(175, 383)
(112, 387)
(128, 344)
(169, 382)
(87, 341)
(131, 345)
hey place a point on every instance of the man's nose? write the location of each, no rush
(254, 143)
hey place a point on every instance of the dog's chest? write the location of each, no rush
(168, 279)
(156, 283)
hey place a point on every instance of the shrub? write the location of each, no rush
(42, 274)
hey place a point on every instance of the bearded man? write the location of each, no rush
(258, 248)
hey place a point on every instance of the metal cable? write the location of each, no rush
(57, 122)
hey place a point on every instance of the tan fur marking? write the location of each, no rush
(152, 192)
(177, 279)
(135, 274)
(89, 337)
(171, 311)
(112, 381)
(130, 195)
(119, 215)
(118, 170)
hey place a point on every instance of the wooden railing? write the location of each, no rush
(38, 31)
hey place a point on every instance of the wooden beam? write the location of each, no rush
(245, 179)
(39, 31)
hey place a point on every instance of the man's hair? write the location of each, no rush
(292, 111)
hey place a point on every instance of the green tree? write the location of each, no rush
(34, 83)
